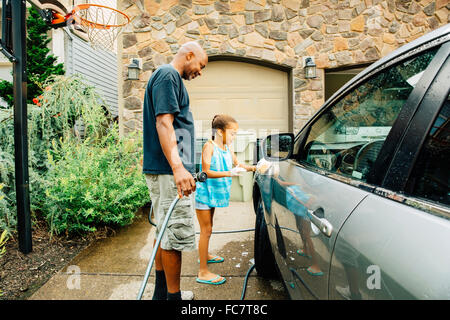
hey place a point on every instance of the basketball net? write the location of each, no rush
(101, 24)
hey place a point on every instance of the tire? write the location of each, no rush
(265, 264)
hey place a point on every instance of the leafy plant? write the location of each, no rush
(64, 101)
(82, 173)
(40, 63)
(94, 184)
(8, 220)
(3, 239)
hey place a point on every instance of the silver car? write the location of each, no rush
(357, 204)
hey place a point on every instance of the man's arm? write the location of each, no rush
(183, 179)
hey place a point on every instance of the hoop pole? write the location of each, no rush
(20, 125)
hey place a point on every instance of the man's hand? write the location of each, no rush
(184, 181)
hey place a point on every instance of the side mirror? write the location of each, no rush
(278, 147)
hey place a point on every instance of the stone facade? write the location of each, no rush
(336, 33)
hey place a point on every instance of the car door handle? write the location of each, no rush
(323, 224)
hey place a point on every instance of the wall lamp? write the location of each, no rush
(134, 70)
(310, 68)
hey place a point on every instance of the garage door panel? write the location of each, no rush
(256, 96)
(203, 109)
(275, 109)
(240, 107)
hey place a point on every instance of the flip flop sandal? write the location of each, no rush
(320, 273)
(212, 281)
(213, 260)
(301, 253)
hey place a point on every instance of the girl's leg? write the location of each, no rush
(205, 222)
(210, 256)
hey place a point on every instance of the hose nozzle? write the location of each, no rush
(200, 176)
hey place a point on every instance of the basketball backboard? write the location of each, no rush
(55, 5)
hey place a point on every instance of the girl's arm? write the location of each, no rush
(207, 152)
(236, 162)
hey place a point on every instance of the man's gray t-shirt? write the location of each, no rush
(166, 93)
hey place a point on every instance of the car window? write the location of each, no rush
(348, 136)
(431, 173)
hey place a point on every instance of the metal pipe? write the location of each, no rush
(20, 125)
(7, 54)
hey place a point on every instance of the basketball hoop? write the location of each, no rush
(101, 24)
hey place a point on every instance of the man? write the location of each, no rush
(169, 162)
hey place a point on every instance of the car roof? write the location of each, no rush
(429, 37)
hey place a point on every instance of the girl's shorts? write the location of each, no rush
(201, 206)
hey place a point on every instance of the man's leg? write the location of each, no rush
(171, 260)
(179, 234)
(160, 292)
(158, 258)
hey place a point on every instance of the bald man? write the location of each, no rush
(168, 165)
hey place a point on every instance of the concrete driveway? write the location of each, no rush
(114, 268)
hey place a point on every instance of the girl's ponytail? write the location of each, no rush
(212, 126)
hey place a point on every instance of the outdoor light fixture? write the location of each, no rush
(310, 68)
(133, 70)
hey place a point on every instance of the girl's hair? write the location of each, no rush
(221, 121)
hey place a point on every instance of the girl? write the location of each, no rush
(217, 161)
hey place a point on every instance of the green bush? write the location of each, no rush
(40, 62)
(79, 178)
(8, 219)
(94, 184)
(3, 240)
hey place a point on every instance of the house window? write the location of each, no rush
(336, 78)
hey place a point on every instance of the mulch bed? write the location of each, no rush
(23, 274)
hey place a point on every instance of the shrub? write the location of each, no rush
(94, 184)
(40, 62)
(3, 240)
(79, 179)
(8, 219)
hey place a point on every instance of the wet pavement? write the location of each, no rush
(114, 268)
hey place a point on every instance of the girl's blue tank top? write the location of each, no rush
(215, 192)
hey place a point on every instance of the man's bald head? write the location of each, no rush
(193, 47)
(190, 59)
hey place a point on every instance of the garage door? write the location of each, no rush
(256, 96)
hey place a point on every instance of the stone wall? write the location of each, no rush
(336, 33)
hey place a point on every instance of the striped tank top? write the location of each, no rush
(215, 192)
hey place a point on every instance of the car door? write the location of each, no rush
(332, 172)
(396, 244)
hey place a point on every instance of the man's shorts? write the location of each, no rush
(180, 230)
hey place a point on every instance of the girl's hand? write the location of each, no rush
(247, 168)
(237, 171)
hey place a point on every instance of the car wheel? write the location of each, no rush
(264, 259)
